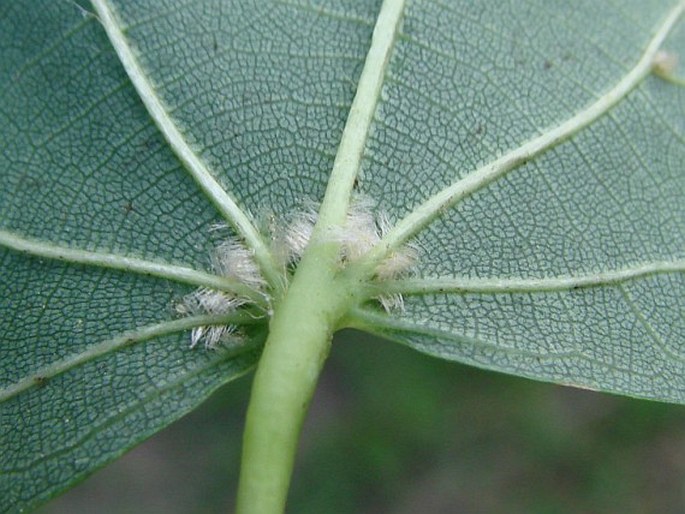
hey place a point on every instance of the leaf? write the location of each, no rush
(569, 267)
(526, 151)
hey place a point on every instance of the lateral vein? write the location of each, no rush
(379, 324)
(40, 376)
(173, 272)
(376, 323)
(521, 285)
(485, 175)
(226, 205)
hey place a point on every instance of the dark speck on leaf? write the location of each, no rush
(128, 208)
(29, 183)
(150, 143)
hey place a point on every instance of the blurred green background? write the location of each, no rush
(393, 431)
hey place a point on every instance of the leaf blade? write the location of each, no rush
(649, 365)
(177, 141)
(264, 107)
(493, 171)
(606, 200)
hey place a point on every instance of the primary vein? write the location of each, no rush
(355, 134)
(485, 175)
(41, 375)
(197, 168)
(173, 272)
(526, 285)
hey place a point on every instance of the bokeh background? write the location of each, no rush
(393, 431)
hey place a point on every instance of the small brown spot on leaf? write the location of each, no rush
(129, 208)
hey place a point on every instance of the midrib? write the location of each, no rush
(348, 159)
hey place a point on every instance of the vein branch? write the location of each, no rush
(355, 134)
(40, 376)
(226, 205)
(465, 285)
(173, 272)
(647, 326)
(485, 175)
(379, 323)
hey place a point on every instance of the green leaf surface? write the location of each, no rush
(568, 268)
(525, 149)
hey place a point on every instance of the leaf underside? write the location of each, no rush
(261, 94)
